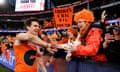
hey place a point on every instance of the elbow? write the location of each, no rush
(89, 53)
(93, 53)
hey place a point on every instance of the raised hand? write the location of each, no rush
(103, 16)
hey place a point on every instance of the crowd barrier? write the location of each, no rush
(8, 60)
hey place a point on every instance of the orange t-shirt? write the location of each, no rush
(25, 55)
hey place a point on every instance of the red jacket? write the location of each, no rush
(93, 41)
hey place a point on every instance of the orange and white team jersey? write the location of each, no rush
(25, 54)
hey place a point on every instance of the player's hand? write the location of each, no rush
(52, 50)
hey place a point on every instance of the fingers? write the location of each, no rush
(103, 16)
(68, 58)
(51, 50)
(40, 53)
(109, 41)
(70, 49)
(54, 49)
(109, 36)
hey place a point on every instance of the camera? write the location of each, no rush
(117, 29)
(109, 30)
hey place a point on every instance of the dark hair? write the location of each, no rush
(29, 21)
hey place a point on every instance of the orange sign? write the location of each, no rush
(63, 17)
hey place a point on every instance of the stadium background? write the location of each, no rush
(11, 22)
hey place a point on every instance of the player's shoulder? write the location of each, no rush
(21, 34)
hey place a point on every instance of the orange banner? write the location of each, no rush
(63, 17)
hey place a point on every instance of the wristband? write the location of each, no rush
(48, 45)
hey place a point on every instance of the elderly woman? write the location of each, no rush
(90, 37)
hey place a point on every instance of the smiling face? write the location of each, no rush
(34, 28)
(81, 24)
(84, 19)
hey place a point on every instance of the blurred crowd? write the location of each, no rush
(6, 42)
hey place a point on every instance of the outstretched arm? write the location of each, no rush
(32, 38)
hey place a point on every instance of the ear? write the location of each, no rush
(27, 27)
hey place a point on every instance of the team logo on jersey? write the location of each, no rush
(30, 57)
